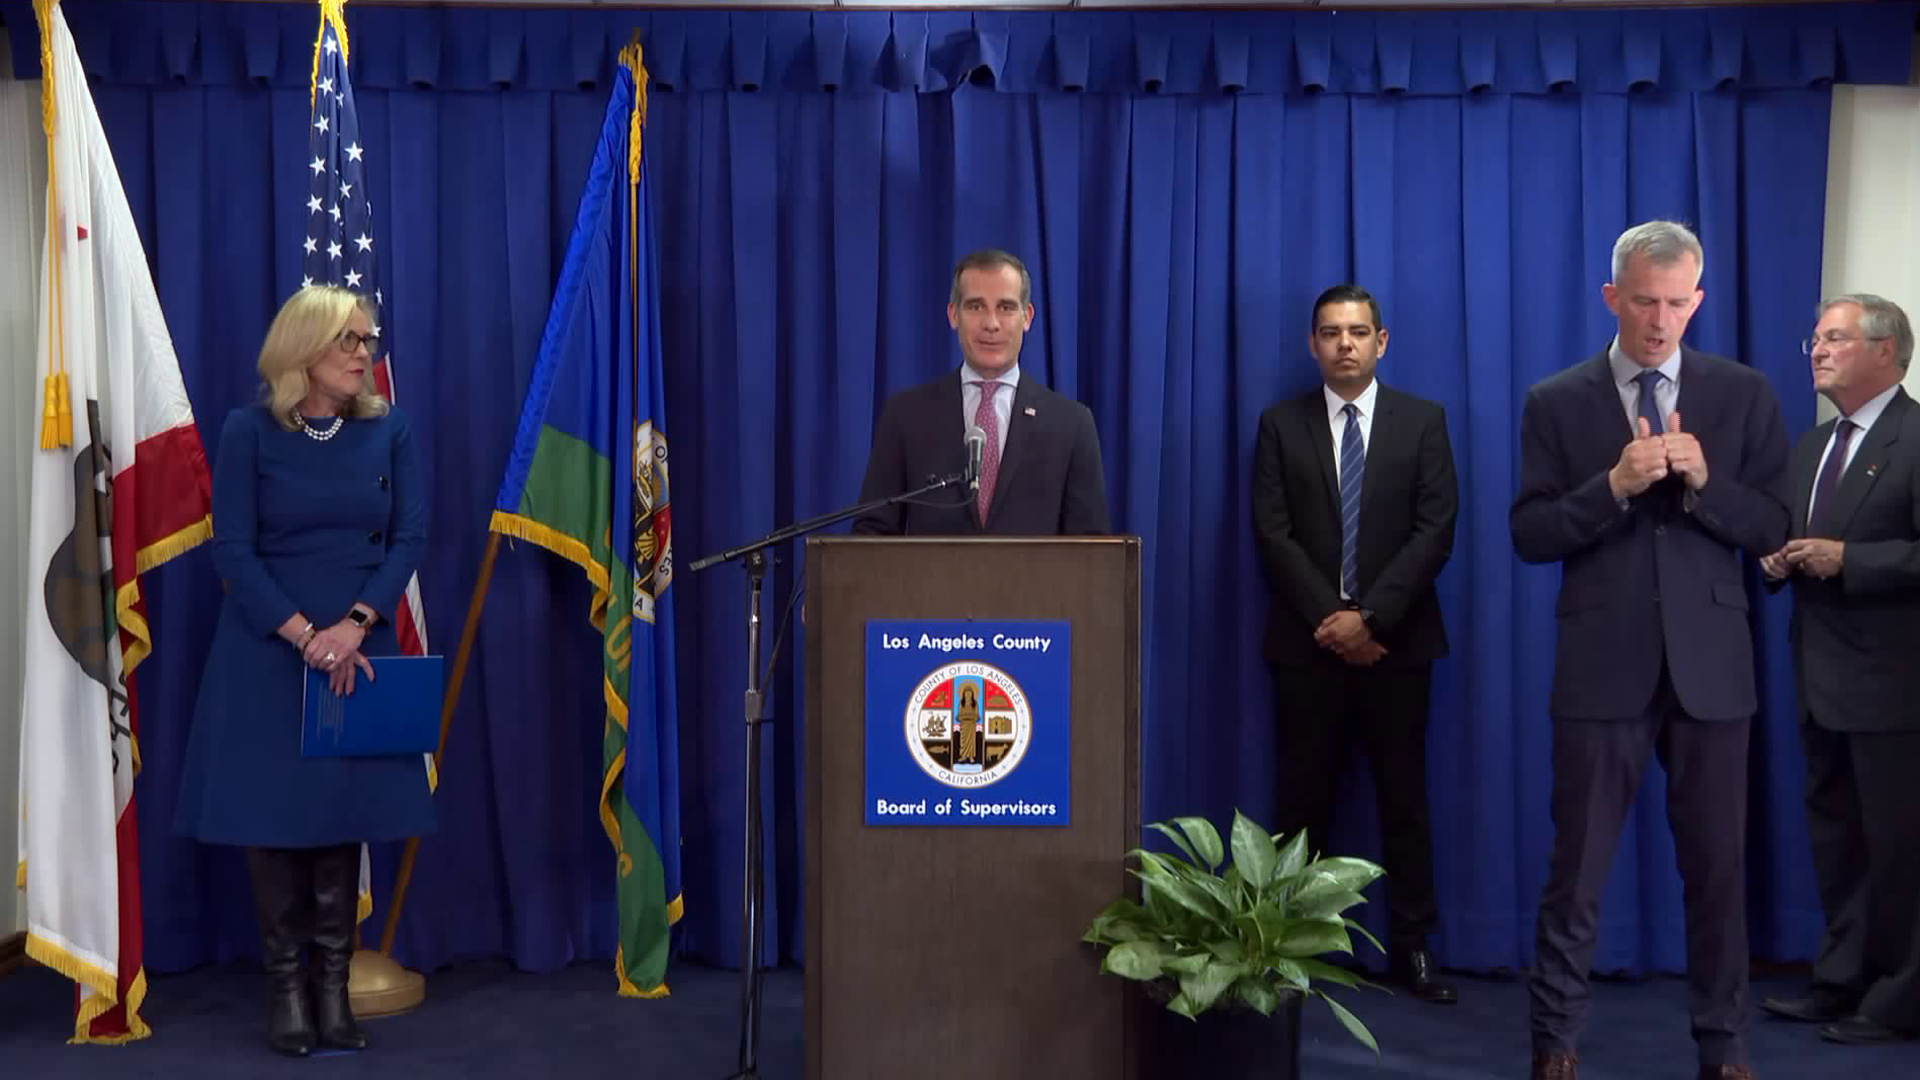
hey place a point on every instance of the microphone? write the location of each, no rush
(976, 447)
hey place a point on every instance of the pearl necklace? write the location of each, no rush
(315, 433)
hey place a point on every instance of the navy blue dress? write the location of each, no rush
(308, 526)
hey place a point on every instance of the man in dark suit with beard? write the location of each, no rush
(1354, 501)
(1654, 652)
(1040, 471)
(1854, 562)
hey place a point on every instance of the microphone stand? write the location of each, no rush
(753, 556)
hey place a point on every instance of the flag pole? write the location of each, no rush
(474, 607)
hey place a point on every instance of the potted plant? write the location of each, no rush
(1238, 946)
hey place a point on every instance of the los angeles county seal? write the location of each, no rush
(968, 724)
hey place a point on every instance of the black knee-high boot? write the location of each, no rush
(336, 897)
(283, 901)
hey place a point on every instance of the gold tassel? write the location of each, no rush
(50, 417)
(66, 411)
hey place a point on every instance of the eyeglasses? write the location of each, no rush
(1833, 340)
(351, 340)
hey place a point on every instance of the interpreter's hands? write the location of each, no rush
(1684, 455)
(1342, 631)
(1819, 558)
(1775, 566)
(1643, 463)
(331, 646)
(341, 678)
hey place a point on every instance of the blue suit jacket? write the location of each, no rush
(1660, 581)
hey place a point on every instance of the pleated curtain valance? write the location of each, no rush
(145, 42)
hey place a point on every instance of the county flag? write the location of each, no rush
(587, 480)
(119, 486)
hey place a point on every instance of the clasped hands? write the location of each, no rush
(1812, 556)
(1345, 633)
(1650, 458)
(336, 651)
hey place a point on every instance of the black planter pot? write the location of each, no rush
(1237, 1044)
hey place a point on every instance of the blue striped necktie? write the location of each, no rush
(1353, 470)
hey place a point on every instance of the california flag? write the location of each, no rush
(119, 486)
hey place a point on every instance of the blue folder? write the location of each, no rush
(396, 712)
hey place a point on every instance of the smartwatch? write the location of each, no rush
(359, 618)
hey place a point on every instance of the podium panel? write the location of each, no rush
(941, 951)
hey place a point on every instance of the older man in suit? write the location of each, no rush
(1354, 501)
(1854, 562)
(1040, 472)
(1645, 472)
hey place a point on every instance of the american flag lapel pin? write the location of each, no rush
(1873, 470)
(1030, 411)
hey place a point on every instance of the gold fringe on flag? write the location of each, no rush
(56, 419)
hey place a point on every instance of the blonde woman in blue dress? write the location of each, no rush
(319, 521)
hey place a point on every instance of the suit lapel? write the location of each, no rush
(1019, 437)
(1315, 407)
(1867, 462)
(1606, 395)
(1806, 465)
(1383, 443)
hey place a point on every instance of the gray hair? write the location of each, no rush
(1660, 242)
(1880, 318)
(991, 259)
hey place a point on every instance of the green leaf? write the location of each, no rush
(1253, 851)
(1257, 995)
(1324, 902)
(1355, 874)
(1205, 840)
(1293, 972)
(1311, 937)
(1321, 971)
(1204, 987)
(1228, 950)
(1190, 964)
(1293, 856)
(1352, 1024)
(1123, 920)
(1183, 895)
(1179, 841)
(1183, 1005)
(1141, 960)
(1363, 932)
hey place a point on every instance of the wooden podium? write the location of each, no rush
(954, 952)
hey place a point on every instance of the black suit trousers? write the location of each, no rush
(1323, 709)
(1863, 815)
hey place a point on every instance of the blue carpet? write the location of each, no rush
(488, 1020)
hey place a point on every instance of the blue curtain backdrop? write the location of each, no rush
(1182, 186)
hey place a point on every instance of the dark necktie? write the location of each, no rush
(1820, 518)
(1649, 401)
(1353, 469)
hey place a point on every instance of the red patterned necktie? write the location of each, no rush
(989, 422)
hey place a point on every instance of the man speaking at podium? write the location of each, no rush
(1035, 452)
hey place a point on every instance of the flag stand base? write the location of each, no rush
(380, 987)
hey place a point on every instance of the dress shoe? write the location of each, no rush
(1726, 1072)
(1819, 1006)
(1861, 1031)
(1555, 1065)
(1420, 975)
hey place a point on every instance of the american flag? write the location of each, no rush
(339, 247)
